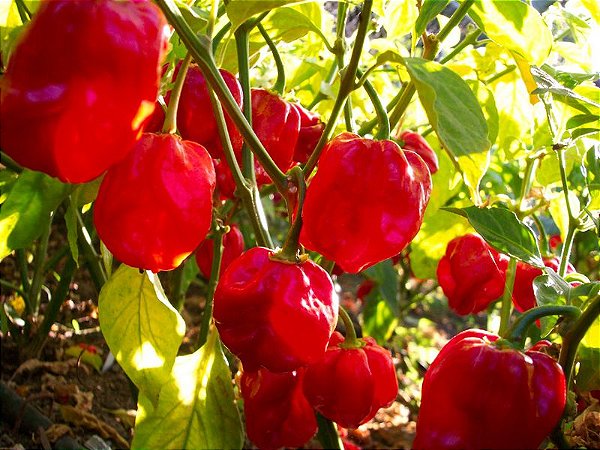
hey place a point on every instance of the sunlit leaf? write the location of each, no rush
(196, 408)
(141, 328)
(504, 231)
(512, 24)
(429, 9)
(239, 11)
(28, 208)
(456, 116)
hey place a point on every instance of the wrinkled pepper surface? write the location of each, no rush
(481, 393)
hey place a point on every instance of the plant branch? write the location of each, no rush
(279, 85)
(170, 124)
(506, 307)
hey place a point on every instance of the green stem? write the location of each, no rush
(328, 80)
(506, 308)
(407, 94)
(518, 332)
(247, 194)
(170, 125)
(219, 36)
(339, 50)
(38, 274)
(455, 19)
(351, 341)
(14, 288)
(369, 125)
(202, 55)
(543, 238)
(90, 255)
(290, 249)
(279, 85)
(500, 74)
(212, 18)
(23, 10)
(23, 271)
(471, 38)
(176, 294)
(327, 434)
(212, 285)
(10, 163)
(568, 244)
(384, 122)
(58, 297)
(242, 45)
(575, 334)
(346, 86)
(530, 168)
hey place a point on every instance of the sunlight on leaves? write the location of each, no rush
(141, 327)
(196, 407)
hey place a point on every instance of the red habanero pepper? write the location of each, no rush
(416, 143)
(154, 208)
(233, 246)
(276, 124)
(365, 203)
(274, 314)
(71, 107)
(195, 117)
(472, 274)
(311, 129)
(479, 394)
(349, 385)
(523, 296)
(277, 413)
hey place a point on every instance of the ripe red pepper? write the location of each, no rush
(195, 118)
(365, 203)
(155, 207)
(277, 413)
(349, 385)
(275, 314)
(523, 296)
(472, 274)
(311, 129)
(71, 107)
(233, 246)
(276, 124)
(478, 394)
(416, 143)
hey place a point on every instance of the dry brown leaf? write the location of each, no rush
(91, 422)
(56, 367)
(56, 431)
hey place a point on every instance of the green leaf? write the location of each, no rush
(379, 320)
(239, 11)
(196, 408)
(588, 375)
(28, 208)
(386, 279)
(549, 292)
(455, 115)
(289, 24)
(592, 166)
(546, 83)
(141, 328)
(429, 9)
(504, 231)
(515, 26)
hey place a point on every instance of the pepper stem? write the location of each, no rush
(170, 125)
(351, 341)
(518, 332)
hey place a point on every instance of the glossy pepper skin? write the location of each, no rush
(349, 385)
(477, 394)
(417, 143)
(523, 296)
(233, 246)
(273, 314)
(311, 129)
(155, 207)
(472, 274)
(277, 413)
(195, 118)
(365, 203)
(276, 124)
(71, 107)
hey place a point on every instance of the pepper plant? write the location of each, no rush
(433, 143)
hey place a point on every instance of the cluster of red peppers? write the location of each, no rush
(472, 275)
(78, 112)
